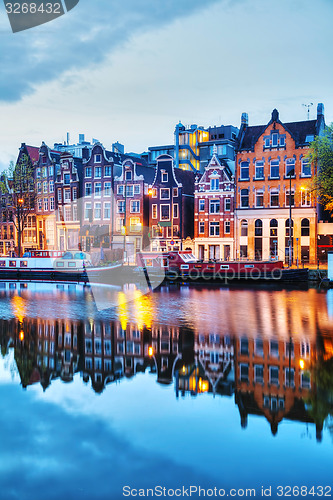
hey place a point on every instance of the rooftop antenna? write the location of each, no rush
(308, 106)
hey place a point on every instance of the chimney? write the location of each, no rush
(67, 138)
(320, 110)
(245, 119)
(85, 153)
(81, 138)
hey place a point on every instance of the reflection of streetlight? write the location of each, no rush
(301, 364)
(21, 335)
(150, 351)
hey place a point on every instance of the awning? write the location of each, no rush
(164, 223)
(83, 230)
(93, 230)
(103, 231)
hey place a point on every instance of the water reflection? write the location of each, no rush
(275, 358)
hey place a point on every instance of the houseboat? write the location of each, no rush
(184, 266)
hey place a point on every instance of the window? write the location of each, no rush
(67, 178)
(259, 347)
(128, 175)
(52, 203)
(98, 189)
(51, 186)
(305, 349)
(289, 349)
(121, 207)
(201, 227)
(136, 188)
(175, 211)
(214, 184)
(214, 207)
(275, 138)
(175, 192)
(88, 189)
(275, 169)
(164, 177)
(46, 204)
(39, 187)
(120, 190)
(59, 194)
(244, 170)
(305, 380)
(259, 374)
(135, 224)
(74, 193)
(290, 167)
(98, 172)
(227, 227)
(107, 170)
(67, 195)
(259, 174)
(165, 194)
(287, 226)
(305, 198)
(154, 211)
(45, 187)
(227, 204)
(135, 206)
(274, 348)
(129, 190)
(75, 213)
(259, 199)
(98, 158)
(68, 213)
(305, 227)
(282, 141)
(88, 172)
(40, 203)
(107, 188)
(107, 210)
(214, 229)
(97, 210)
(290, 199)
(154, 193)
(274, 375)
(165, 212)
(274, 198)
(244, 372)
(244, 198)
(258, 227)
(201, 205)
(244, 227)
(267, 142)
(306, 167)
(289, 377)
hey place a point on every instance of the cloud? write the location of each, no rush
(78, 39)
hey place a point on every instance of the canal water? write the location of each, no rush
(108, 393)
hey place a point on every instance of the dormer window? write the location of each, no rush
(282, 141)
(98, 158)
(164, 176)
(267, 142)
(128, 175)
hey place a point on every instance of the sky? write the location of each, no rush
(129, 71)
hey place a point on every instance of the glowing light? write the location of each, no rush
(21, 335)
(20, 201)
(123, 230)
(301, 364)
(183, 369)
(19, 307)
(150, 351)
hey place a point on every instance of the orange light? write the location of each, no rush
(21, 335)
(184, 369)
(150, 192)
(20, 200)
(301, 364)
(150, 351)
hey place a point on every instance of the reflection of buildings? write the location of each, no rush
(270, 381)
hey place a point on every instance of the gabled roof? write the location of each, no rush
(33, 153)
(186, 178)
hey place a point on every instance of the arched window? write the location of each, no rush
(273, 225)
(258, 227)
(305, 227)
(287, 224)
(244, 227)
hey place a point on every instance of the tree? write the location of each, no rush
(321, 156)
(18, 185)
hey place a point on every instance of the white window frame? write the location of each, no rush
(164, 205)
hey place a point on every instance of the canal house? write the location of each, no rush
(273, 175)
(214, 211)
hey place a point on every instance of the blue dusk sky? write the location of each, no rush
(130, 70)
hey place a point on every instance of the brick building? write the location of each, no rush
(214, 211)
(269, 158)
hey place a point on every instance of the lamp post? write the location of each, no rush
(291, 172)
(124, 229)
